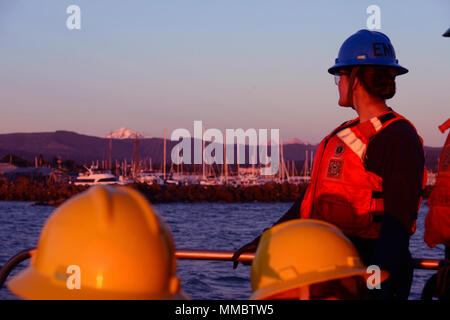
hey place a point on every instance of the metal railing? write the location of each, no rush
(189, 254)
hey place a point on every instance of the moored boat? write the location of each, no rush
(95, 176)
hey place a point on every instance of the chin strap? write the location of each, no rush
(350, 86)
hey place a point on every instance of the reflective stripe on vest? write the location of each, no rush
(350, 139)
(342, 191)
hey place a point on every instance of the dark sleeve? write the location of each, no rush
(294, 211)
(402, 174)
(401, 160)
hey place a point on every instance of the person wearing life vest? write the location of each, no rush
(105, 243)
(368, 173)
(437, 222)
(306, 259)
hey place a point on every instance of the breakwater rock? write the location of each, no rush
(269, 192)
(44, 193)
(54, 194)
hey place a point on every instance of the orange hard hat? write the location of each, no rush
(302, 252)
(105, 243)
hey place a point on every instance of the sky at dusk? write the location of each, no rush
(150, 65)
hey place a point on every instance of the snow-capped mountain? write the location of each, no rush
(125, 133)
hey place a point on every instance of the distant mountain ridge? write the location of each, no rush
(84, 149)
(296, 141)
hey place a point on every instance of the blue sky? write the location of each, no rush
(150, 65)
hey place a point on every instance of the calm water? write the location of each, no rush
(214, 226)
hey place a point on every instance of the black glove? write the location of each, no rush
(249, 247)
(292, 213)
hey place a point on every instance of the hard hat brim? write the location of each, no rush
(398, 68)
(446, 33)
(310, 278)
(33, 285)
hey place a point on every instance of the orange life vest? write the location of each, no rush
(342, 191)
(437, 222)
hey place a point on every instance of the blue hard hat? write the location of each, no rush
(367, 48)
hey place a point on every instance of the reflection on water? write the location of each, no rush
(213, 226)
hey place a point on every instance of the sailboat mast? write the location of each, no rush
(237, 159)
(164, 156)
(225, 157)
(136, 165)
(282, 160)
(110, 152)
(203, 152)
(306, 164)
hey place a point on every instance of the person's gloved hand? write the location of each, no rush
(249, 247)
(443, 283)
(438, 285)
